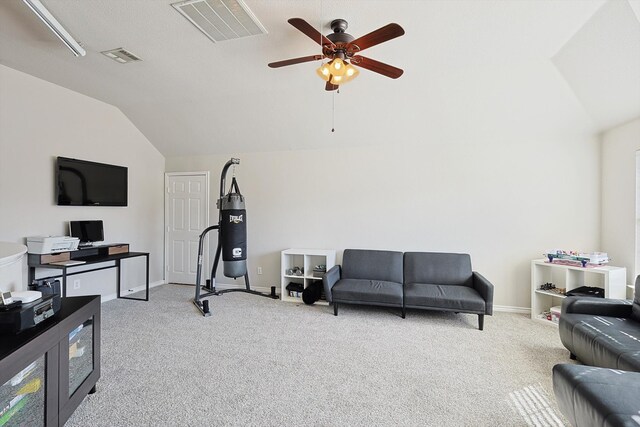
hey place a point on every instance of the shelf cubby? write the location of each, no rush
(306, 259)
(611, 279)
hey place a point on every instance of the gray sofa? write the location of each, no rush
(417, 280)
(603, 334)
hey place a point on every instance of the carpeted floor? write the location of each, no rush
(262, 362)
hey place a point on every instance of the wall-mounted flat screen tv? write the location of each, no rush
(84, 183)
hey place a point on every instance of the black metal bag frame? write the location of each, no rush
(209, 287)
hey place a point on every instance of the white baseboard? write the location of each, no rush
(512, 309)
(105, 298)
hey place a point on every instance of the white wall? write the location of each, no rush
(40, 121)
(619, 146)
(504, 201)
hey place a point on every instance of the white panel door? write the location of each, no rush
(186, 216)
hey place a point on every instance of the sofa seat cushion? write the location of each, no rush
(439, 297)
(590, 396)
(609, 342)
(367, 291)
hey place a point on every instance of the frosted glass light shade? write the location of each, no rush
(350, 73)
(336, 80)
(324, 72)
(337, 67)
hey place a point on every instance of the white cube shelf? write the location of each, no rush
(305, 259)
(611, 279)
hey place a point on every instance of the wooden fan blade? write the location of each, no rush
(377, 66)
(329, 86)
(381, 35)
(295, 61)
(311, 32)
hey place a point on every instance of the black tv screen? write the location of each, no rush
(84, 183)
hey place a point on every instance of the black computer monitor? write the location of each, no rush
(89, 232)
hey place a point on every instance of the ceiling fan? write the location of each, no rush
(344, 49)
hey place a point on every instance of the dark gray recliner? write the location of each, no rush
(597, 397)
(446, 282)
(602, 332)
(367, 277)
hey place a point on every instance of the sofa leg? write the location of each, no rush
(481, 321)
(404, 312)
(572, 356)
(335, 308)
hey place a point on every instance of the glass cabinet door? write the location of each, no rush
(80, 354)
(22, 398)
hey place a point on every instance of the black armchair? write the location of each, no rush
(602, 332)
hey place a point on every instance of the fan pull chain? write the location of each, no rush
(333, 111)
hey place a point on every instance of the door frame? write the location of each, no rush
(167, 175)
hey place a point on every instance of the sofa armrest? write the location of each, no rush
(485, 289)
(597, 306)
(329, 279)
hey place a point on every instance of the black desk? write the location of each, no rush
(90, 256)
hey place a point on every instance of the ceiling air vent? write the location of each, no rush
(221, 20)
(121, 55)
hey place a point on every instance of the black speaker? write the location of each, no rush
(46, 286)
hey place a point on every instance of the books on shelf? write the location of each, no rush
(553, 314)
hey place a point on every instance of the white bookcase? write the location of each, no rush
(306, 260)
(611, 279)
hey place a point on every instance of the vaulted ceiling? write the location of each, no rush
(470, 66)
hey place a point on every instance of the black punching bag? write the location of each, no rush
(233, 232)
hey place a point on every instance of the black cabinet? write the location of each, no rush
(46, 371)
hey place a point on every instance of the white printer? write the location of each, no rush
(51, 244)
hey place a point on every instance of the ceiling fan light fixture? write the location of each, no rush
(345, 72)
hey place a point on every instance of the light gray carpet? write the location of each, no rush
(263, 362)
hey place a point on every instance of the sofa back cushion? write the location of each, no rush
(437, 268)
(372, 265)
(635, 313)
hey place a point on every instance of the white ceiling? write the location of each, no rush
(470, 67)
(601, 63)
